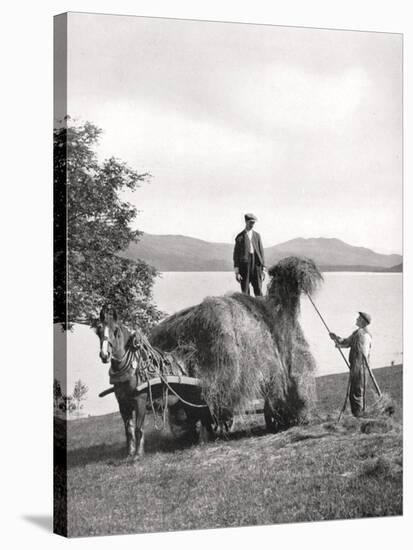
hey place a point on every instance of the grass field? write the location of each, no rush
(317, 472)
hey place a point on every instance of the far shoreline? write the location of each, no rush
(326, 269)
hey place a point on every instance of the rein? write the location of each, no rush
(157, 361)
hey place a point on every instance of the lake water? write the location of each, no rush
(339, 299)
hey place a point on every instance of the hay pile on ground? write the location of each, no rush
(381, 406)
(243, 348)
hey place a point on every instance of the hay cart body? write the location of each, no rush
(185, 386)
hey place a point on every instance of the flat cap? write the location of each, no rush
(365, 316)
(250, 216)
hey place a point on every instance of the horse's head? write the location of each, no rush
(112, 335)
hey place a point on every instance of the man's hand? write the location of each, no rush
(238, 277)
(335, 338)
(263, 274)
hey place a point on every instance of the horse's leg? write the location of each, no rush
(203, 433)
(126, 409)
(140, 412)
(269, 417)
(194, 424)
(125, 424)
(206, 426)
(228, 422)
(128, 420)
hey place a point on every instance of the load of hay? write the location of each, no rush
(243, 348)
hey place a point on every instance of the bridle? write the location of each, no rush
(103, 339)
(119, 365)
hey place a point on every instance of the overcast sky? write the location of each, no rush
(300, 126)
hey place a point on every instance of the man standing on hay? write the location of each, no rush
(249, 261)
(359, 343)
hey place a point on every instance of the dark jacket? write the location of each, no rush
(242, 249)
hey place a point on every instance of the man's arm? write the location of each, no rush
(236, 258)
(341, 342)
(261, 250)
(236, 254)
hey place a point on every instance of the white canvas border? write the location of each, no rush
(27, 264)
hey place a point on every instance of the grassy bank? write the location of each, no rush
(317, 472)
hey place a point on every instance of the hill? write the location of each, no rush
(181, 253)
(333, 252)
(309, 473)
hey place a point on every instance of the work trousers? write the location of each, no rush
(251, 273)
(357, 388)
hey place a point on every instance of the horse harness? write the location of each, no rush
(150, 363)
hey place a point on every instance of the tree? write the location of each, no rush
(79, 393)
(94, 221)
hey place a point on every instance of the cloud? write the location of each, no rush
(299, 101)
(301, 122)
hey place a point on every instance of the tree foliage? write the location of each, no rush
(79, 392)
(95, 223)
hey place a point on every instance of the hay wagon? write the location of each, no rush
(184, 387)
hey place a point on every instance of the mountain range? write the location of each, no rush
(181, 253)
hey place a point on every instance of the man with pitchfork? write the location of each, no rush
(359, 343)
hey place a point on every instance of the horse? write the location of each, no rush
(133, 361)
